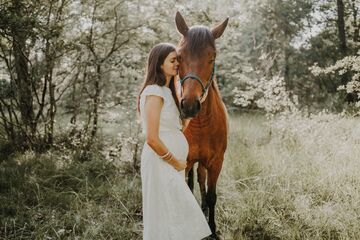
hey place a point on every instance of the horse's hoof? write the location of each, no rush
(212, 237)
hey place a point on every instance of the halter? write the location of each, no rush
(195, 77)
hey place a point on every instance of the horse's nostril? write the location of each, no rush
(198, 105)
(182, 103)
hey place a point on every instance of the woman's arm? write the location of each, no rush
(153, 106)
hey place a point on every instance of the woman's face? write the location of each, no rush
(170, 66)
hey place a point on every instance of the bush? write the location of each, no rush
(55, 195)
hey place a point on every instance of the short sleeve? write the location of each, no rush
(153, 90)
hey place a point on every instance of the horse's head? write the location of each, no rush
(196, 56)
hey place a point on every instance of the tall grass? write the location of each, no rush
(290, 178)
(56, 195)
(293, 178)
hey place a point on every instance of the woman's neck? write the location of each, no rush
(168, 79)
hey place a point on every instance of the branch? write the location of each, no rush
(13, 124)
(84, 87)
(14, 113)
(42, 103)
(7, 61)
(91, 44)
(63, 80)
(4, 121)
(114, 49)
(69, 85)
(34, 87)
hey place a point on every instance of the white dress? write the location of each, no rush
(170, 210)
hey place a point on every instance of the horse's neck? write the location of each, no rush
(209, 106)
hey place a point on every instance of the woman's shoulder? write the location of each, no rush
(153, 89)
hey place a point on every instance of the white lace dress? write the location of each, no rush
(170, 210)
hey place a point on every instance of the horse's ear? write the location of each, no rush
(181, 24)
(219, 29)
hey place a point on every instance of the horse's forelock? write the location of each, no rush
(197, 39)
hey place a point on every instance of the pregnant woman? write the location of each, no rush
(170, 210)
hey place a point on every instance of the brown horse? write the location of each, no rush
(200, 100)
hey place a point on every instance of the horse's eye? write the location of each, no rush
(212, 60)
(179, 58)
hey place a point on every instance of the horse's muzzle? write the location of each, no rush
(189, 109)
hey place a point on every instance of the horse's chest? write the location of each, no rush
(206, 144)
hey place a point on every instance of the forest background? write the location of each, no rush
(70, 141)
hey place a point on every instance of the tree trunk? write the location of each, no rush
(342, 44)
(341, 28)
(286, 46)
(96, 100)
(356, 26)
(49, 80)
(22, 79)
(52, 110)
(75, 106)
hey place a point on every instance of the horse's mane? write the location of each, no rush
(215, 87)
(197, 39)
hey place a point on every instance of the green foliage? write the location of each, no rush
(350, 64)
(15, 20)
(74, 38)
(285, 38)
(53, 195)
(6, 90)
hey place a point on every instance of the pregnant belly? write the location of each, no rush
(176, 142)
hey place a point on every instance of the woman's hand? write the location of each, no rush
(179, 165)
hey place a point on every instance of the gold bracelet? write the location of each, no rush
(170, 160)
(165, 155)
(168, 157)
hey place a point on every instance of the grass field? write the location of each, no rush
(294, 178)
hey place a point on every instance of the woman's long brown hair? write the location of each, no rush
(154, 73)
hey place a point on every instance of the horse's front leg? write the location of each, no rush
(201, 171)
(189, 176)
